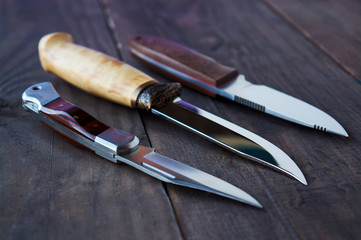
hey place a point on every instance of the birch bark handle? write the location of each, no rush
(102, 75)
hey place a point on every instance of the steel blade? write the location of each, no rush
(230, 136)
(169, 170)
(281, 105)
(264, 99)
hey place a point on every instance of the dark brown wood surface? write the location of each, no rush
(50, 189)
(332, 25)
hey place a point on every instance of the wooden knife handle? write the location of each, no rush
(102, 75)
(75, 124)
(180, 63)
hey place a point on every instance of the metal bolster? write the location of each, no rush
(117, 142)
(97, 148)
(37, 95)
(109, 149)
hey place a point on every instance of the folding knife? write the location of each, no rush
(114, 80)
(204, 74)
(119, 146)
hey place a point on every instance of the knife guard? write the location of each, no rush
(103, 75)
(75, 124)
(180, 63)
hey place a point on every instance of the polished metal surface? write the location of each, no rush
(169, 170)
(117, 141)
(230, 136)
(37, 95)
(281, 105)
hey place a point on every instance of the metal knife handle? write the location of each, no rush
(102, 75)
(180, 63)
(75, 124)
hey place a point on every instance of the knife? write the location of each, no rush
(205, 75)
(118, 146)
(114, 80)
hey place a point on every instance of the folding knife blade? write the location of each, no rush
(171, 171)
(119, 146)
(212, 78)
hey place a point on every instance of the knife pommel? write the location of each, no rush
(102, 75)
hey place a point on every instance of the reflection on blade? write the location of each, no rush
(169, 170)
(281, 105)
(230, 136)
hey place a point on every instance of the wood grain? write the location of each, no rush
(182, 59)
(260, 44)
(102, 75)
(92, 71)
(73, 118)
(333, 26)
(50, 189)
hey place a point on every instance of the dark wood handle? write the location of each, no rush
(109, 140)
(165, 56)
(76, 124)
(73, 118)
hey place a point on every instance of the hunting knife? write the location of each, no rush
(117, 81)
(205, 75)
(118, 146)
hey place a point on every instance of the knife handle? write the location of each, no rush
(76, 124)
(180, 63)
(102, 75)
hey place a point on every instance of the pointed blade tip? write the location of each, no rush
(257, 205)
(343, 133)
(252, 202)
(295, 173)
(301, 178)
(304, 182)
(338, 129)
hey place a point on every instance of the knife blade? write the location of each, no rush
(114, 80)
(118, 146)
(205, 75)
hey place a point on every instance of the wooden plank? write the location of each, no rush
(333, 26)
(50, 189)
(251, 37)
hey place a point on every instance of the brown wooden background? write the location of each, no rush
(50, 189)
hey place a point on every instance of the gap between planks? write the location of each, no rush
(109, 22)
(305, 34)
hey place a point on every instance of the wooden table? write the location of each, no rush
(50, 189)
